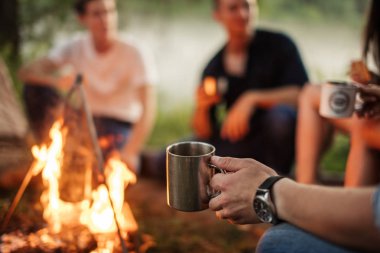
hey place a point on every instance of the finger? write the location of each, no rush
(217, 181)
(368, 98)
(230, 164)
(218, 215)
(233, 132)
(215, 204)
(243, 130)
(225, 131)
(236, 131)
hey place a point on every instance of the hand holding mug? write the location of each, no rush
(238, 188)
(370, 97)
(359, 72)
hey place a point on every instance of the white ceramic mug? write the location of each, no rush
(338, 99)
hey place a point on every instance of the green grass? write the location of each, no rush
(171, 125)
(334, 161)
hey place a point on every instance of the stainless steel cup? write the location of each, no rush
(188, 174)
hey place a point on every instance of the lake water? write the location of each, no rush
(182, 46)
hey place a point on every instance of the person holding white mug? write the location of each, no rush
(318, 116)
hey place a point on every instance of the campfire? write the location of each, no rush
(83, 205)
(95, 212)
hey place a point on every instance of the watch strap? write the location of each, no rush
(269, 182)
(267, 185)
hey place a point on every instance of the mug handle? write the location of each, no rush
(211, 192)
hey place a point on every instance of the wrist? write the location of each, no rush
(252, 97)
(282, 193)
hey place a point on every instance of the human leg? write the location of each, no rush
(312, 136)
(288, 238)
(276, 138)
(41, 104)
(270, 139)
(364, 158)
(112, 134)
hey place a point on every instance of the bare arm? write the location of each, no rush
(268, 98)
(236, 125)
(341, 215)
(201, 117)
(141, 129)
(39, 72)
(44, 72)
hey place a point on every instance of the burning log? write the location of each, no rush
(75, 239)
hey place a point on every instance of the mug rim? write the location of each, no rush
(337, 84)
(190, 142)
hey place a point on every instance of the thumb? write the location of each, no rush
(228, 163)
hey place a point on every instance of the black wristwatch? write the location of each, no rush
(263, 204)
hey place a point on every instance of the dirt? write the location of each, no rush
(172, 231)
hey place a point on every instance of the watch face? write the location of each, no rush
(262, 210)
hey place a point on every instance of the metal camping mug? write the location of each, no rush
(188, 175)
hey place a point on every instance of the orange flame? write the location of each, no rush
(99, 218)
(97, 213)
(210, 86)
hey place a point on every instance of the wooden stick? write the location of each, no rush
(17, 198)
(99, 157)
(29, 174)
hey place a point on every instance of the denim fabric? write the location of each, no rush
(376, 207)
(112, 134)
(286, 238)
(271, 139)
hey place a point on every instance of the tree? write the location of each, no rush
(10, 40)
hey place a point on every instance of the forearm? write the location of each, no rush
(142, 128)
(341, 215)
(269, 98)
(38, 79)
(40, 72)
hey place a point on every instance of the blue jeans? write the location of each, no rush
(271, 139)
(286, 238)
(112, 134)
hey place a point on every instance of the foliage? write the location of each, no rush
(335, 159)
(315, 10)
(171, 125)
(41, 19)
(39, 22)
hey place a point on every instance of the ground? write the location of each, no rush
(172, 231)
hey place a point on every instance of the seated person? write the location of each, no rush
(364, 159)
(117, 81)
(314, 218)
(246, 103)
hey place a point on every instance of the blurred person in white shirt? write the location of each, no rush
(118, 81)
